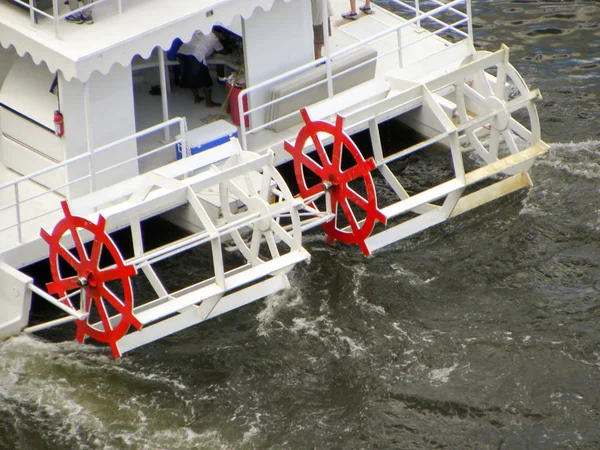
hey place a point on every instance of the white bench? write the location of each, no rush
(315, 94)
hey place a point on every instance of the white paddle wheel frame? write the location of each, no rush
(257, 214)
(239, 200)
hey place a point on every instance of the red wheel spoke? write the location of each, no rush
(316, 189)
(69, 257)
(350, 216)
(69, 283)
(356, 198)
(320, 149)
(103, 314)
(96, 251)
(312, 165)
(336, 156)
(334, 201)
(331, 172)
(357, 171)
(92, 278)
(113, 300)
(115, 273)
(89, 297)
(78, 243)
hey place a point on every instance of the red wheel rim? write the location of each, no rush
(92, 278)
(337, 181)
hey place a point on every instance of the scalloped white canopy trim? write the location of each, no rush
(117, 39)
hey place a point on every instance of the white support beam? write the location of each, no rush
(405, 229)
(193, 316)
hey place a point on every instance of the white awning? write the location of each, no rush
(116, 38)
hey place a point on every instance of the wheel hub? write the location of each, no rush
(335, 181)
(92, 279)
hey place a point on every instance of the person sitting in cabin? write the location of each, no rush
(194, 72)
(353, 15)
(80, 17)
(317, 16)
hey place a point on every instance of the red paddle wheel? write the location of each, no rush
(336, 181)
(98, 300)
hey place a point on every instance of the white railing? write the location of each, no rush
(435, 22)
(56, 17)
(18, 203)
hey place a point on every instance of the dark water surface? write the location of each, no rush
(482, 333)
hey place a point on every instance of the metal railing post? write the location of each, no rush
(418, 12)
(325, 24)
(55, 18)
(32, 12)
(88, 135)
(18, 213)
(400, 56)
(470, 21)
(242, 115)
(163, 92)
(183, 134)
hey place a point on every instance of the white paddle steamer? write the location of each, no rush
(86, 150)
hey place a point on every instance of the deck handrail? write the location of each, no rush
(55, 17)
(420, 17)
(17, 204)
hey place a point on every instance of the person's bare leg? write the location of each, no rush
(318, 54)
(196, 93)
(209, 101)
(353, 6)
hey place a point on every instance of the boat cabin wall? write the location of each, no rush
(30, 95)
(27, 106)
(101, 111)
(275, 42)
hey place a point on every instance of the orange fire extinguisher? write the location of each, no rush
(59, 125)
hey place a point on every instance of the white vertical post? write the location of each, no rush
(163, 92)
(327, 45)
(470, 22)
(55, 18)
(242, 113)
(18, 213)
(183, 134)
(400, 56)
(32, 12)
(120, 6)
(88, 135)
(418, 12)
(375, 139)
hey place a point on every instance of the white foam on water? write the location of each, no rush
(359, 272)
(275, 304)
(403, 333)
(82, 395)
(352, 345)
(254, 429)
(413, 278)
(311, 327)
(577, 158)
(442, 375)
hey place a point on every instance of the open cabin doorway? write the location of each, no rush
(152, 109)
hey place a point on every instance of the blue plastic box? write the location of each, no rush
(208, 136)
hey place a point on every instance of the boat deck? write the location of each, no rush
(345, 33)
